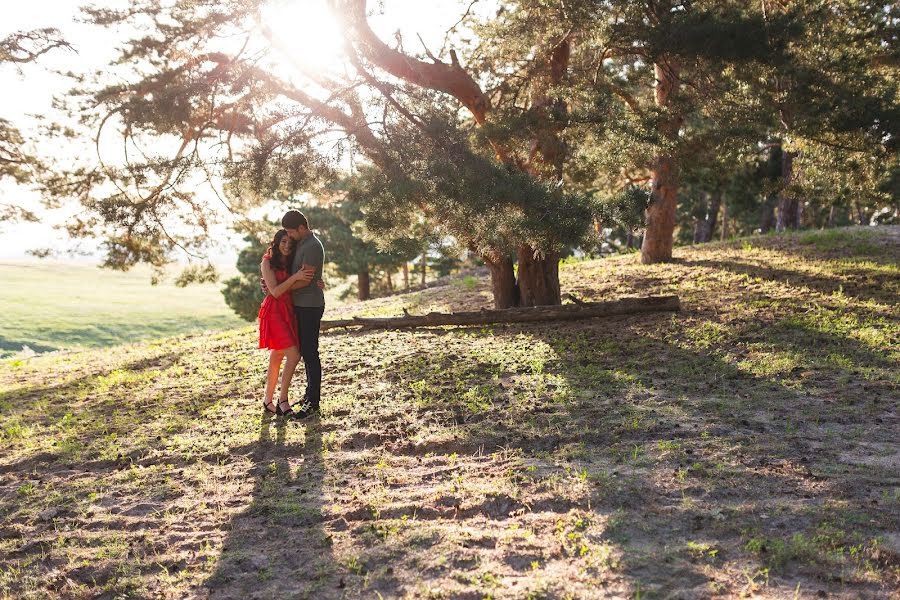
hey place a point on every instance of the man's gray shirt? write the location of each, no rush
(309, 252)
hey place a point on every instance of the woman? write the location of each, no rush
(277, 324)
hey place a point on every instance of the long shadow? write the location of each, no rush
(45, 405)
(675, 448)
(277, 546)
(880, 287)
(737, 443)
(163, 359)
(82, 439)
(773, 463)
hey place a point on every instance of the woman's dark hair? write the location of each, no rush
(279, 262)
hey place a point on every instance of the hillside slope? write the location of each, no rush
(745, 446)
(53, 305)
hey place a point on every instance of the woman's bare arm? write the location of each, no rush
(276, 289)
(305, 282)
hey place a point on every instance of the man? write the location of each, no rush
(309, 306)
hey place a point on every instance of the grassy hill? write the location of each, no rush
(747, 446)
(58, 306)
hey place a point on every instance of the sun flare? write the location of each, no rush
(306, 32)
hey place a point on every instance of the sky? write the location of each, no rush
(303, 26)
(29, 90)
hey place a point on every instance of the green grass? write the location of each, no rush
(743, 447)
(60, 306)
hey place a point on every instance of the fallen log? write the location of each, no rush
(566, 312)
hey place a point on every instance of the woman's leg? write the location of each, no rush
(293, 358)
(272, 376)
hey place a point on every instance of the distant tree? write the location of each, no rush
(243, 293)
(832, 104)
(340, 225)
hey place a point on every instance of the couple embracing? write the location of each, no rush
(291, 313)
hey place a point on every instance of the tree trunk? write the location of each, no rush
(862, 216)
(712, 216)
(660, 217)
(406, 276)
(625, 306)
(724, 219)
(699, 222)
(830, 222)
(503, 282)
(767, 214)
(363, 286)
(629, 239)
(705, 228)
(424, 266)
(598, 230)
(538, 278)
(788, 205)
(389, 282)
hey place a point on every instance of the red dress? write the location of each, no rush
(277, 323)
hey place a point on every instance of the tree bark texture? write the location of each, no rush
(363, 286)
(660, 215)
(503, 282)
(538, 277)
(767, 214)
(724, 221)
(862, 216)
(624, 306)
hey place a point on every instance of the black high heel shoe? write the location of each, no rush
(269, 403)
(284, 413)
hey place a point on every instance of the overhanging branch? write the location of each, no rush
(451, 78)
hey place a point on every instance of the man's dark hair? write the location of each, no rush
(293, 219)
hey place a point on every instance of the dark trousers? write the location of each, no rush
(308, 321)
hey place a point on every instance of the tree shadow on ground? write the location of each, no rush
(14, 346)
(88, 414)
(859, 282)
(646, 461)
(278, 547)
(101, 458)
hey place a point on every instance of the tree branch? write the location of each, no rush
(451, 79)
(14, 48)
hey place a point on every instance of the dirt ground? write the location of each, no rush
(745, 447)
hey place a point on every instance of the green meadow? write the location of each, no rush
(49, 306)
